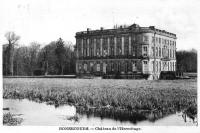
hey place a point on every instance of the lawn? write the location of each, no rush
(128, 95)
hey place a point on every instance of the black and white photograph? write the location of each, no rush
(99, 65)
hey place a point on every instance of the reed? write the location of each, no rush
(10, 119)
(132, 95)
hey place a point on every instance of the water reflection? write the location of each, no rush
(42, 114)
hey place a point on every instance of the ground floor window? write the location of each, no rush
(98, 67)
(91, 66)
(85, 67)
(134, 66)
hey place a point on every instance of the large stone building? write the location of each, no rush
(125, 51)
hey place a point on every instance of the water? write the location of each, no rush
(47, 115)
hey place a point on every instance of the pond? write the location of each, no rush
(34, 113)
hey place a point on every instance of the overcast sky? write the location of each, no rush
(44, 21)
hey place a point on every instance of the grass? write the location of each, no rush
(132, 95)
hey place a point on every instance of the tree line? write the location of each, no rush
(186, 60)
(58, 58)
(55, 58)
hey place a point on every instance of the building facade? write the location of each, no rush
(125, 51)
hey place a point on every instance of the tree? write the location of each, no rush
(70, 58)
(5, 59)
(187, 61)
(12, 41)
(47, 59)
(33, 54)
(60, 52)
(22, 61)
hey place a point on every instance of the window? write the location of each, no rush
(98, 67)
(156, 66)
(112, 66)
(159, 40)
(160, 66)
(91, 66)
(85, 67)
(156, 51)
(133, 50)
(168, 66)
(105, 52)
(134, 66)
(153, 39)
(145, 62)
(85, 52)
(119, 51)
(145, 38)
(152, 48)
(171, 66)
(159, 52)
(174, 53)
(145, 48)
(133, 38)
(112, 51)
(98, 52)
(163, 41)
(145, 51)
(79, 67)
(170, 53)
(156, 40)
(91, 52)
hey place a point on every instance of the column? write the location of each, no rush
(129, 45)
(108, 46)
(115, 46)
(101, 47)
(122, 45)
(77, 67)
(82, 47)
(88, 48)
(77, 48)
(95, 47)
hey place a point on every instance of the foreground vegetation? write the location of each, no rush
(10, 119)
(132, 97)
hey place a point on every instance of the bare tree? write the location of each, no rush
(12, 41)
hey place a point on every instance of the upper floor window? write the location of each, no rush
(156, 39)
(145, 38)
(145, 62)
(105, 52)
(133, 38)
(91, 52)
(156, 51)
(159, 40)
(145, 51)
(153, 39)
(98, 51)
(145, 48)
(152, 49)
(159, 52)
(112, 51)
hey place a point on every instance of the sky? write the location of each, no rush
(44, 21)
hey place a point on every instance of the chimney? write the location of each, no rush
(88, 29)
